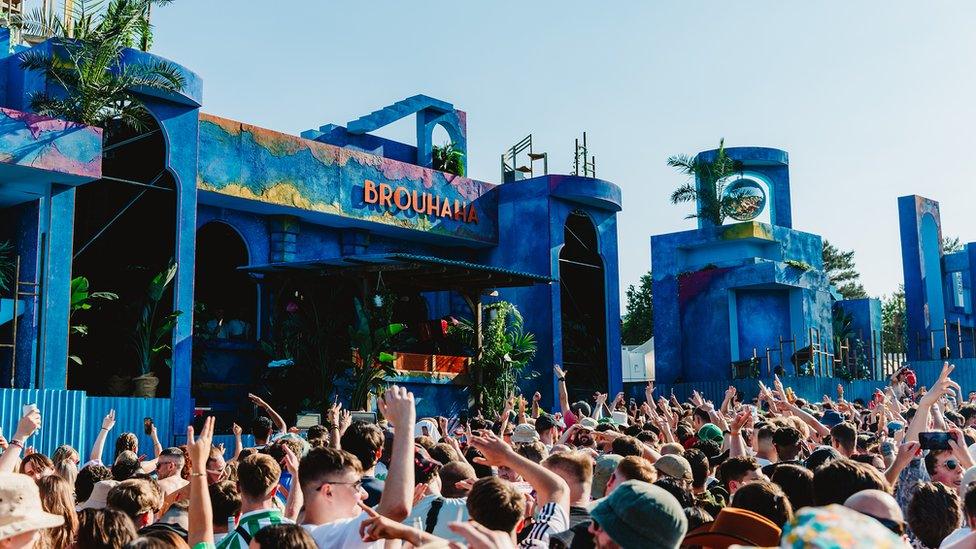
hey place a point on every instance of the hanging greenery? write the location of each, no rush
(446, 158)
(506, 350)
(84, 68)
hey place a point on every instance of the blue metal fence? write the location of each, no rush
(62, 415)
(129, 415)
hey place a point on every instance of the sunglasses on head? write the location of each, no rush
(951, 464)
(893, 525)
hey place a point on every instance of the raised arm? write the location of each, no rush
(397, 406)
(921, 419)
(108, 423)
(295, 500)
(200, 527)
(26, 427)
(275, 418)
(820, 428)
(535, 404)
(563, 394)
(238, 444)
(549, 487)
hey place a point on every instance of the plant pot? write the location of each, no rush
(145, 385)
(117, 385)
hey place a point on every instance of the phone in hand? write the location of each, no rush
(938, 440)
(28, 408)
(147, 425)
(365, 417)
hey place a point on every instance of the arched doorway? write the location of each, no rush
(583, 305)
(124, 235)
(225, 299)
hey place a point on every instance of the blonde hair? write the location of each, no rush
(57, 497)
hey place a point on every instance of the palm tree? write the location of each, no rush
(448, 159)
(85, 62)
(715, 204)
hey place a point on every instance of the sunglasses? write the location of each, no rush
(893, 525)
(951, 464)
(356, 485)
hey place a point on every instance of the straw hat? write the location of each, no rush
(20, 507)
(734, 526)
(99, 496)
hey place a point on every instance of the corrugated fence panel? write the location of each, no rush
(129, 415)
(62, 414)
(228, 442)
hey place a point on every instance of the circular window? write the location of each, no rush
(744, 199)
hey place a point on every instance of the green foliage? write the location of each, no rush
(638, 322)
(372, 335)
(82, 299)
(893, 326)
(840, 269)
(446, 158)
(153, 331)
(843, 328)
(801, 265)
(951, 245)
(8, 263)
(86, 64)
(715, 205)
(506, 350)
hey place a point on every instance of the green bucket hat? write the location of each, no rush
(710, 431)
(639, 515)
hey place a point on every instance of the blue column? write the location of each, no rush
(58, 221)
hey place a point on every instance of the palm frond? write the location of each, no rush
(685, 193)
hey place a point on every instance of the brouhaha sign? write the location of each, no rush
(403, 199)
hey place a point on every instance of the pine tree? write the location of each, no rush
(638, 321)
(840, 268)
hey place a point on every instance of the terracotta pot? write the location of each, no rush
(145, 385)
(117, 385)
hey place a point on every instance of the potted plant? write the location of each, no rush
(152, 332)
(374, 362)
(81, 300)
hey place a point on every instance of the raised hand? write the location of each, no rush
(236, 429)
(397, 406)
(108, 422)
(27, 425)
(198, 449)
(258, 401)
(479, 537)
(495, 450)
(559, 372)
(290, 461)
(345, 420)
(740, 421)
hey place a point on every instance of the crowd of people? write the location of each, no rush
(772, 471)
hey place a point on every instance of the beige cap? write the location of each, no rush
(20, 507)
(674, 466)
(99, 496)
(524, 433)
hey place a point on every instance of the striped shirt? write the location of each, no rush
(550, 519)
(249, 525)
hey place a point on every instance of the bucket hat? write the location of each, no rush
(20, 507)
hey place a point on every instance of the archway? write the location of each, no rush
(225, 299)
(124, 235)
(583, 305)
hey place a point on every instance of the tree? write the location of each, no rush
(715, 204)
(85, 62)
(638, 321)
(446, 158)
(893, 326)
(840, 269)
(951, 245)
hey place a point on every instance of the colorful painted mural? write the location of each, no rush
(243, 161)
(50, 144)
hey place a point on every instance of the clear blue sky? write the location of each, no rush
(872, 100)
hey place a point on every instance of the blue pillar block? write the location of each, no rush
(58, 220)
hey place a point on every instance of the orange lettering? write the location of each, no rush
(400, 191)
(417, 203)
(433, 204)
(472, 216)
(459, 210)
(446, 208)
(386, 193)
(369, 192)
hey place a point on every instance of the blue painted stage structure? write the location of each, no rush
(939, 299)
(337, 202)
(738, 300)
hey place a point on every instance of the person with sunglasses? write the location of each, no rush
(331, 482)
(943, 466)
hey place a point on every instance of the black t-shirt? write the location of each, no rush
(768, 470)
(374, 488)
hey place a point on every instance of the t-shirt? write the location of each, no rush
(569, 418)
(549, 519)
(451, 510)
(955, 536)
(374, 489)
(249, 525)
(342, 533)
(578, 515)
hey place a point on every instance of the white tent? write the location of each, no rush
(638, 362)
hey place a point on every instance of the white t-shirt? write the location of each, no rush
(341, 533)
(452, 510)
(550, 519)
(955, 536)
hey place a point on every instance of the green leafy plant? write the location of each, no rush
(446, 158)
(82, 299)
(801, 265)
(87, 80)
(506, 350)
(372, 335)
(8, 263)
(153, 330)
(843, 274)
(709, 192)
